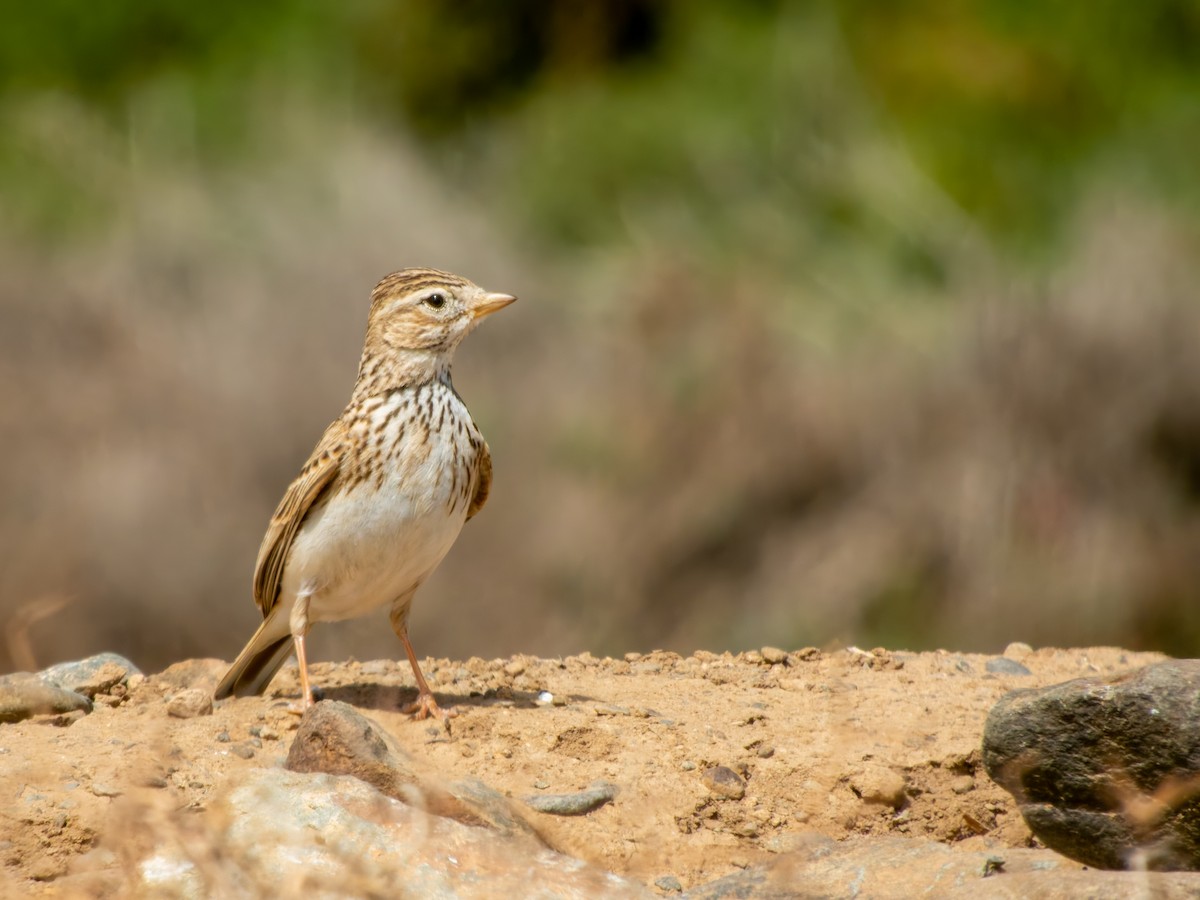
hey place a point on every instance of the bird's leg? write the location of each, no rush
(299, 625)
(424, 706)
(306, 694)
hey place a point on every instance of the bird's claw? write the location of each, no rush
(300, 707)
(425, 707)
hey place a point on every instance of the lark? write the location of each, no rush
(386, 491)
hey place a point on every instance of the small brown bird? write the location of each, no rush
(386, 491)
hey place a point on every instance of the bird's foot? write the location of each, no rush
(425, 707)
(301, 706)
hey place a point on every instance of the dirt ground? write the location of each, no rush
(839, 743)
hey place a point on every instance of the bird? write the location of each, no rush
(386, 491)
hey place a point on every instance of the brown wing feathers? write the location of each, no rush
(315, 478)
(485, 482)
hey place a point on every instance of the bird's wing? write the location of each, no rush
(314, 480)
(485, 482)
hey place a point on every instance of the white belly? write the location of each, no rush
(375, 542)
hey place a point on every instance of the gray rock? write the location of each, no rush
(1002, 665)
(893, 868)
(576, 804)
(1106, 771)
(95, 675)
(336, 739)
(24, 695)
(336, 836)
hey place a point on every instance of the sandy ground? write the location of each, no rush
(838, 743)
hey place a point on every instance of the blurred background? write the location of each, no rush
(848, 322)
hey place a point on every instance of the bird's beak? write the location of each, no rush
(489, 303)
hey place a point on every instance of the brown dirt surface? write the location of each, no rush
(839, 744)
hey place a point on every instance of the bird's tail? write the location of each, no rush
(258, 662)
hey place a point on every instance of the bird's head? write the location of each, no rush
(426, 311)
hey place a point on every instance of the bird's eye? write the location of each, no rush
(437, 301)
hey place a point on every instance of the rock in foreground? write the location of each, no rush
(325, 835)
(1106, 771)
(888, 868)
(337, 739)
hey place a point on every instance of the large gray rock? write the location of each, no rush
(337, 739)
(315, 835)
(1106, 771)
(24, 695)
(95, 675)
(68, 687)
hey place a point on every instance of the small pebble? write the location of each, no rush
(610, 709)
(773, 655)
(243, 750)
(962, 784)
(515, 668)
(541, 785)
(1002, 665)
(765, 751)
(190, 703)
(545, 697)
(1018, 650)
(668, 883)
(223, 737)
(878, 784)
(267, 733)
(687, 765)
(573, 804)
(100, 789)
(724, 782)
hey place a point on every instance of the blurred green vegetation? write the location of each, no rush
(744, 123)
